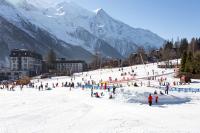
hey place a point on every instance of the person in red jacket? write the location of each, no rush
(150, 98)
(156, 98)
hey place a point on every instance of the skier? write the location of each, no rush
(135, 84)
(108, 89)
(65, 84)
(101, 86)
(70, 86)
(56, 84)
(161, 93)
(114, 89)
(41, 87)
(167, 89)
(46, 86)
(92, 92)
(105, 86)
(12, 88)
(110, 96)
(150, 99)
(53, 85)
(21, 87)
(97, 95)
(83, 87)
(156, 99)
(174, 83)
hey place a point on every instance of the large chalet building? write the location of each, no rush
(70, 66)
(25, 62)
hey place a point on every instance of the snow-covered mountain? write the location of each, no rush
(18, 32)
(72, 24)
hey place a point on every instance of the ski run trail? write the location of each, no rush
(63, 111)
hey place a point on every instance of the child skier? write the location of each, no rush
(156, 99)
(150, 99)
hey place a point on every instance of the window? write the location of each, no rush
(25, 59)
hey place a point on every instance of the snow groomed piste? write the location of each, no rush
(61, 109)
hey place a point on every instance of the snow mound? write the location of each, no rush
(141, 96)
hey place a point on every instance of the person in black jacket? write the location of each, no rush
(114, 89)
(92, 92)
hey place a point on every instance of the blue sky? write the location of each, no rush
(167, 18)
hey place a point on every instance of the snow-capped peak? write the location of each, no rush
(98, 10)
(101, 12)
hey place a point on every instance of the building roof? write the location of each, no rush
(24, 53)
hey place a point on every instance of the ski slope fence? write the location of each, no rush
(177, 89)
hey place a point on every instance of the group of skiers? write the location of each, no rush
(150, 99)
(41, 87)
(8, 86)
(100, 94)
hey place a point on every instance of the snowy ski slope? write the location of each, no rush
(63, 111)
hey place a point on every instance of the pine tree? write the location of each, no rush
(169, 51)
(189, 63)
(183, 61)
(183, 45)
(198, 44)
(197, 62)
(168, 45)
